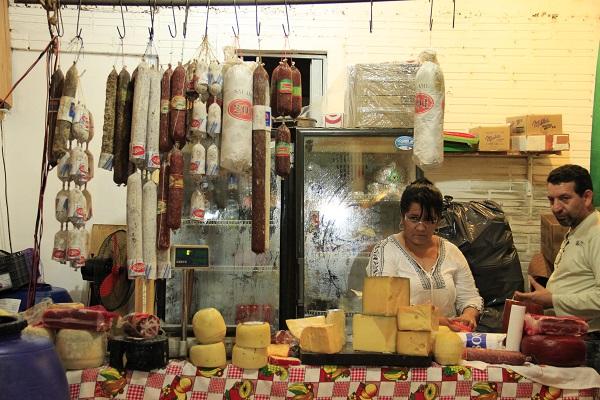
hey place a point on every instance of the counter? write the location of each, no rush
(181, 380)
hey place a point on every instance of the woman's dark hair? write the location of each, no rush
(423, 192)
(572, 173)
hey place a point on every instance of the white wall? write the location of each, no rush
(503, 58)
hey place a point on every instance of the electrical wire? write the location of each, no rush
(5, 185)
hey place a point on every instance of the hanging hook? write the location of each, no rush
(206, 23)
(453, 12)
(77, 29)
(256, 16)
(60, 27)
(151, 29)
(187, 9)
(431, 16)
(371, 20)
(286, 34)
(236, 34)
(122, 36)
(174, 22)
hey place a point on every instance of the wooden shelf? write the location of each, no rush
(501, 154)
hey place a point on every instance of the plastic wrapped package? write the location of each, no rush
(141, 325)
(380, 95)
(94, 318)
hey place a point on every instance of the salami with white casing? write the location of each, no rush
(88, 203)
(198, 160)
(108, 130)
(191, 79)
(73, 245)
(135, 250)
(77, 207)
(213, 124)
(139, 115)
(90, 158)
(79, 166)
(236, 140)
(261, 160)
(164, 264)
(215, 78)
(83, 237)
(91, 127)
(63, 169)
(65, 114)
(149, 198)
(59, 250)
(198, 120)
(212, 160)
(61, 206)
(197, 206)
(153, 122)
(81, 124)
(201, 78)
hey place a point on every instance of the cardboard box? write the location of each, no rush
(493, 138)
(333, 120)
(539, 143)
(542, 124)
(552, 235)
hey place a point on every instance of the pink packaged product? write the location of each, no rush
(141, 325)
(536, 324)
(94, 318)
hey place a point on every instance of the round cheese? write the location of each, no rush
(253, 335)
(39, 331)
(209, 326)
(448, 348)
(208, 355)
(246, 358)
(80, 349)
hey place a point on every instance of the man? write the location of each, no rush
(574, 286)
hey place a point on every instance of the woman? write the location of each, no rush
(439, 274)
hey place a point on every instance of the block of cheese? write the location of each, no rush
(297, 325)
(374, 333)
(80, 349)
(208, 355)
(321, 339)
(278, 349)
(417, 318)
(253, 335)
(410, 343)
(209, 326)
(382, 295)
(246, 358)
(448, 348)
(337, 317)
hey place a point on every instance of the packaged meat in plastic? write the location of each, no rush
(548, 325)
(63, 169)
(197, 206)
(198, 120)
(77, 207)
(59, 251)
(198, 160)
(212, 160)
(141, 325)
(94, 318)
(558, 351)
(80, 170)
(215, 78)
(33, 315)
(61, 206)
(80, 129)
(201, 78)
(213, 126)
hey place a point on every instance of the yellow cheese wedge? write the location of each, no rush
(448, 348)
(417, 318)
(382, 295)
(321, 339)
(297, 325)
(414, 343)
(208, 355)
(337, 317)
(279, 350)
(254, 335)
(243, 357)
(209, 326)
(374, 333)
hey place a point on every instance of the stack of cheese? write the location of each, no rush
(321, 334)
(209, 329)
(251, 342)
(416, 325)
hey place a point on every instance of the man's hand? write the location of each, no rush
(540, 295)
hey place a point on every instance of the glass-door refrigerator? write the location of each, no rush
(348, 184)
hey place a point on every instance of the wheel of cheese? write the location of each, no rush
(209, 326)
(246, 358)
(80, 349)
(253, 335)
(208, 355)
(39, 331)
(448, 348)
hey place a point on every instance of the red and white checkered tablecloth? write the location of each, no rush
(180, 380)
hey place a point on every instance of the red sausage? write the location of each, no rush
(175, 203)
(163, 233)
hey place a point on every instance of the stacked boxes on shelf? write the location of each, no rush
(537, 133)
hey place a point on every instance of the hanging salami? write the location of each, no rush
(296, 91)
(108, 130)
(153, 122)
(163, 235)
(198, 160)
(215, 78)
(213, 121)
(165, 143)
(282, 151)
(135, 233)
(175, 204)
(283, 88)
(149, 200)
(177, 117)
(139, 115)
(65, 114)
(122, 127)
(55, 91)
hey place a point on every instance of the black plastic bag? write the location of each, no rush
(482, 233)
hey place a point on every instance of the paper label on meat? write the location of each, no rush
(136, 268)
(153, 161)
(138, 151)
(282, 149)
(161, 207)
(297, 91)
(261, 118)
(66, 109)
(164, 106)
(105, 161)
(178, 103)
(58, 254)
(240, 109)
(176, 181)
(423, 103)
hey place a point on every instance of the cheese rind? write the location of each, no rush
(297, 325)
(448, 348)
(209, 326)
(208, 355)
(246, 358)
(411, 343)
(321, 339)
(80, 349)
(382, 295)
(374, 333)
(253, 335)
(417, 318)
(337, 317)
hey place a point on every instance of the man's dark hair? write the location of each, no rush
(423, 192)
(572, 173)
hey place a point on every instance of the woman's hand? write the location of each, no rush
(468, 317)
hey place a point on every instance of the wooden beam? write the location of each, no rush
(5, 55)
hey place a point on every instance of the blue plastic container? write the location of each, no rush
(57, 294)
(29, 366)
